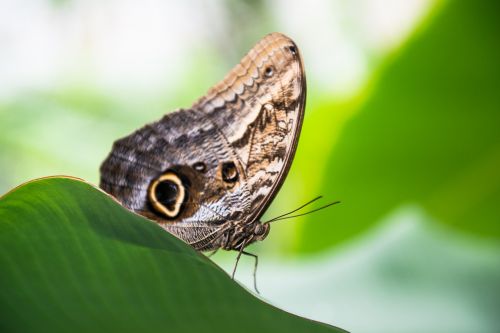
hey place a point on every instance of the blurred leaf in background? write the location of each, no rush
(427, 133)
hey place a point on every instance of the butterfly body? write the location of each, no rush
(206, 174)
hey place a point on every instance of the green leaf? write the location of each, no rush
(72, 259)
(428, 133)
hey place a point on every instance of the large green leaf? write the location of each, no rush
(429, 133)
(73, 260)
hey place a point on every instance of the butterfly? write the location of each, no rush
(207, 174)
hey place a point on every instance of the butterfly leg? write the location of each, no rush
(254, 269)
(238, 260)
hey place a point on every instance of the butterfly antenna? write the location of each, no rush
(293, 211)
(284, 216)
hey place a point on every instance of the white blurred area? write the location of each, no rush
(114, 45)
(145, 47)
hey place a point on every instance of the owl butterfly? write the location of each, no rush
(207, 174)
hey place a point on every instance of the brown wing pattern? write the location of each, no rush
(246, 126)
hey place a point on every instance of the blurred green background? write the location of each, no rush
(402, 125)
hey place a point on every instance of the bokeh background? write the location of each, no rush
(402, 125)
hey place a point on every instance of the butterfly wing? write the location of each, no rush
(199, 171)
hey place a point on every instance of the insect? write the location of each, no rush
(207, 174)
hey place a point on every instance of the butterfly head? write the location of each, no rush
(261, 231)
(242, 235)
